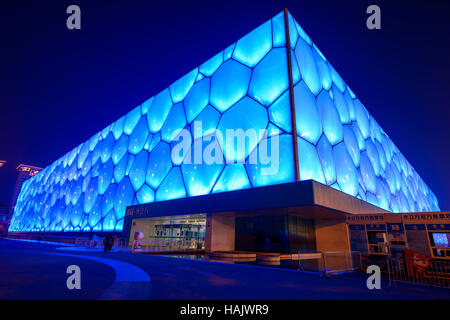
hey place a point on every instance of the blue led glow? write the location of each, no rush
(308, 122)
(233, 177)
(325, 152)
(280, 112)
(108, 199)
(175, 121)
(341, 105)
(159, 164)
(123, 198)
(210, 66)
(197, 99)
(362, 118)
(145, 194)
(131, 120)
(181, 87)
(138, 170)
(120, 149)
(208, 118)
(105, 176)
(138, 137)
(368, 173)
(270, 78)
(352, 144)
(159, 110)
(243, 87)
(246, 114)
(251, 48)
(309, 164)
(322, 68)
(229, 84)
(200, 178)
(281, 170)
(172, 187)
(119, 170)
(347, 177)
(332, 126)
(308, 69)
(278, 30)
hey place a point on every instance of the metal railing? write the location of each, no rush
(329, 262)
(167, 244)
(419, 271)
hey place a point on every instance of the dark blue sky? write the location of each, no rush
(59, 87)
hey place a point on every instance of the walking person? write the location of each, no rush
(111, 242)
(106, 243)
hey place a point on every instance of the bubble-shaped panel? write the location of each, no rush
(200, 178)
(123, 198)
(180, 88)
(247, 118)
(107, 147)
(158, 110)
(362, 118)
(352, 144)
(332, 126)
(308, 122)
(251, 48)
(308, 69)
(368, 173)
(341, 105)
(209, 67)
(172, 187)
(197, 99)
(309, 163)
(206, 122)
(325, 152)
(120, 149)
(159, 164)
(278, 167)
(229, 84)
(322, 68)
(233, 177)
(347, 177)
(145, 194)
(175, 121)
(280, 112)
(131, 120)
(278, 30)
(270, 77)
(138, 137)
(105, 176)
(138, 170)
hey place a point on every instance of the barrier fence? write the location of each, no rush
(418, 271)
(329, 262)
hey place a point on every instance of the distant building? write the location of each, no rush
(25, 172)
(4, 219)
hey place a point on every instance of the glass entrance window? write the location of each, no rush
(183, 232)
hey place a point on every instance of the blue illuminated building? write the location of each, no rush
(248, 85)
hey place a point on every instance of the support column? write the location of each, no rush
(220, 233)
(291, 96)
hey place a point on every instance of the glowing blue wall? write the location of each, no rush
(340, 144)
(244, 86)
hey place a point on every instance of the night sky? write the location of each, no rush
(59, 87)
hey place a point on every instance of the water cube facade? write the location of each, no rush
(245, 86)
